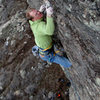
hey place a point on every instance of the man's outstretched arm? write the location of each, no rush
(48, 27)
(50, 22)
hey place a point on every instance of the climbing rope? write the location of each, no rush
(74, 86)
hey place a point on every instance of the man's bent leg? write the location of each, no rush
(62, 61)
(45, 57)
(57, 59)
(35, 50)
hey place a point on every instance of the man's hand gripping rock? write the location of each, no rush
(47, 7)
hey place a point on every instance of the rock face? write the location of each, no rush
(23, 76)
(77, 28)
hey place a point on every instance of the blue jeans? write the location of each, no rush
(52, 57)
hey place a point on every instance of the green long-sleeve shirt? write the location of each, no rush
(42, 32)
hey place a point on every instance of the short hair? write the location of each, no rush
(28, 10)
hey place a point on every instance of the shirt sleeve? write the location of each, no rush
(48, 27)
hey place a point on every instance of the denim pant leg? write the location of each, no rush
(57, 59)
(35, 50)
(49, 57)
(62, 61)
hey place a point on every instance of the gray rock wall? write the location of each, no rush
(78, 29)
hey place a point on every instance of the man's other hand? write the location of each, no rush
(49, 11)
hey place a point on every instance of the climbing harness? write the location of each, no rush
(74, 86)
(49, 47)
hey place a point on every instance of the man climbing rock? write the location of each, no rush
(43, 32)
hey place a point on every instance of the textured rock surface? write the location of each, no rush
(78, 24)
(24, 77)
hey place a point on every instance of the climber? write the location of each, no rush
(43, 32)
